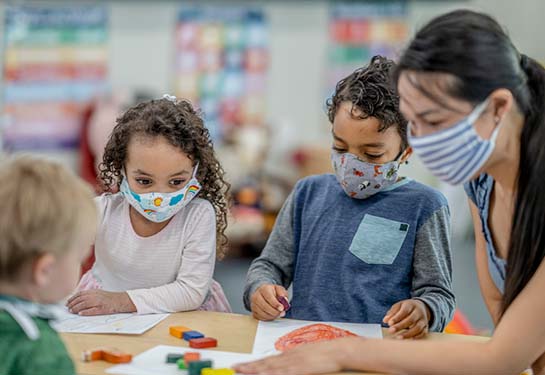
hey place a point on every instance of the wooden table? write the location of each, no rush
(235, 333)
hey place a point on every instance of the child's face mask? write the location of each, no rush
(159, 207)
(360, 179)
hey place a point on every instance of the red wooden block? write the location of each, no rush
(205, 342)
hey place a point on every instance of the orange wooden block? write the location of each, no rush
(92, 355)
(115, 356)
(191, 357)
(178, 331)
(106, 354)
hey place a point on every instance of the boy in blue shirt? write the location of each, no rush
(364, 245)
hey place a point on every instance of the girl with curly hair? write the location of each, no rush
(159, 236)
(364, 244)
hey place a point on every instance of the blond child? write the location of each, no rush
(47, 224)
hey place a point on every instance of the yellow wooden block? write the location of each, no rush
(178, 331)
(217, 371)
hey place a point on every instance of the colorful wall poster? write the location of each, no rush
(55, 61)
(358, 31)
(222, 59)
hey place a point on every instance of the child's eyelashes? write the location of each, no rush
(371, 156)
(366, 155)
(148, 182)
(177, 182)
(143, 181)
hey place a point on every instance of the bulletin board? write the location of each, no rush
(357, 32)
(55, 61)
(222, 59)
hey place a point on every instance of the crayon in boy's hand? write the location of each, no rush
(284, 301)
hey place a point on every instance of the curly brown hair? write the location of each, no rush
(182, 126)
(370, 90)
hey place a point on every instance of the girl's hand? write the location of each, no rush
(408, 319)
(264, 302)
(319, 358)
(100, 302)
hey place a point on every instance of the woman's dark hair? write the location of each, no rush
(479, 56)
(182, 127)
(371, 92)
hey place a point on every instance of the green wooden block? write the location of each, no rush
(196, 366)
(181, 364)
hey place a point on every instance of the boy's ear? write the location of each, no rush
(406, 155)
(43, 269)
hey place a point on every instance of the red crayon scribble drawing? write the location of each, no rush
(309, 334)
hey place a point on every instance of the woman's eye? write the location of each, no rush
(177, 182)
(337, 149)
(143, 181)
(435, 123)
(371, 156)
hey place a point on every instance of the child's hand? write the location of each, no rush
(264, 302)
(410, 318)
(100, 302)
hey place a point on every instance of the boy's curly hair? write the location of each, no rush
(371, 92)
(184, 128)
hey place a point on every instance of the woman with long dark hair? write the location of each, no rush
(475, 107)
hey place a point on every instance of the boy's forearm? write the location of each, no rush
(275, 264)
(432, 264)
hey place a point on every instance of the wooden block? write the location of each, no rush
(181, 364)
(174, 357)
(116, 356)
(205, 342)
(195, 368)
(217, 371)
(178, 331)
(190, 335)
(106, 354)
(191, 357)
(92, 355)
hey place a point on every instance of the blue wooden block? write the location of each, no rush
(190, 335)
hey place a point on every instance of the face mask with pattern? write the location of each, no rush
(159, 207)
(360, 179)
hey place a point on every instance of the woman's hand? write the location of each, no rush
(319, 358)
(100, 302)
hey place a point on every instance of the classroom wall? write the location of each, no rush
(141, 53)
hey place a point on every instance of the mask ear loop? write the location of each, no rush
(195, 171)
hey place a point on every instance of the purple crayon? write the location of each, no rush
(284, 301)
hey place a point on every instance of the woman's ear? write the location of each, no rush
(406, 155)
(501, 102)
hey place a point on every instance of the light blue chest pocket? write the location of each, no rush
(378, 240)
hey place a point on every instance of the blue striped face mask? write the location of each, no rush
(456, 154)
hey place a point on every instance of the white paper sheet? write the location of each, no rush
(127, 324)
(152, 362)
(268, 332)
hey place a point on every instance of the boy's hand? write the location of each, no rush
(408, 319)
(264, 302)
(100, 302)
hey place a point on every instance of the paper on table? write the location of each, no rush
(127, 324)
(152, 362)
(268, 332)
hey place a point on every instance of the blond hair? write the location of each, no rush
(44, 209)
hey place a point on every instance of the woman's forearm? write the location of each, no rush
(424, 357)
